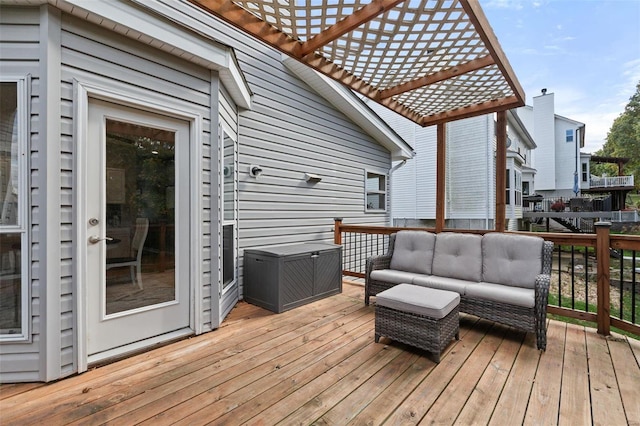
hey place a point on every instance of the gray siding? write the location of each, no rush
(289, 131)
(93, 54)
(19, 56)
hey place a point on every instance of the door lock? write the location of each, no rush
(94, 239)
(93, 221)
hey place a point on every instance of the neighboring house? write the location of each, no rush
(561, 169)
(123, 116)
(470, 172)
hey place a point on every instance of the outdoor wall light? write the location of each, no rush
(311, 178)
(255, 171)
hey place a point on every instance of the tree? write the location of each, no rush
(623, 139)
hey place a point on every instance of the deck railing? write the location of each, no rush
(595, 277)
(611, 181)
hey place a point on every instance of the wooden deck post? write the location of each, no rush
(441, 189)
(604, 294)
(501, 170)
(337, 234)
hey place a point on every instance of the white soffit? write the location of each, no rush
(145, 24)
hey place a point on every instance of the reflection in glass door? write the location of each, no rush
(137, 202)
(140, 216)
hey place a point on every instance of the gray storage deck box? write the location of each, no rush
(284, 277)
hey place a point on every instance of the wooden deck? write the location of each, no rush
(319, 364)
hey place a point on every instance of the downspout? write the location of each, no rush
(390, 173)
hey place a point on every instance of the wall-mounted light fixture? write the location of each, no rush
(255, 171)
(311, 178)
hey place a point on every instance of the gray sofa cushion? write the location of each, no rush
(394, 277)
(513, 260)
(413, 251)
(442, 283)
(502, 293)
(458, 256)
(419, 300)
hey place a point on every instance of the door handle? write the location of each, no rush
(94, 239)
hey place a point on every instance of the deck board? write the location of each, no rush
(319, 364)
(575, 407)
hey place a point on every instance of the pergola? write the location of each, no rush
(432, 61)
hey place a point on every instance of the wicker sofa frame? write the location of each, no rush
(527, 319)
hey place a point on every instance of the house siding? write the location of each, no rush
(96, 55)
(470, 165)
(544, 135)
(290, 131)
(19, 56)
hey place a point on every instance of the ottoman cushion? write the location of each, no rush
(418, 300)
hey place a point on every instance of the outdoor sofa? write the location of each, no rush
(502, 277)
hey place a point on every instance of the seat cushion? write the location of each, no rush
(509, 259)
(442, 283)
(394, 277)
(458, 256)
(413, 251)
(418, 300)
(517, 296)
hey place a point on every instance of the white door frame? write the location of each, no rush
(82, 92)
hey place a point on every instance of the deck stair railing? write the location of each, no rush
(587, 283)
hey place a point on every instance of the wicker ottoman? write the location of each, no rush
(422, 317)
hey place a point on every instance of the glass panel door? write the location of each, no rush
(137, 217)
(140, 216)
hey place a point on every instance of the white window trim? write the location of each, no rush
(566, 135)
(23, 84)
(223, 129)
(83, 90)
(385, 192)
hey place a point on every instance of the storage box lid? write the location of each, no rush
(291, 249)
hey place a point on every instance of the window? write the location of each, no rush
(569, 135)
(525, 188)
(517, 178)
(376, 192)
(507, 185)
(13, 210)
(584, 172)
(229, 201)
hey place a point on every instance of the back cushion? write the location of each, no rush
(413, 251)
(513, 260)
(458, 256)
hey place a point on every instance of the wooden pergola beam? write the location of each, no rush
(441, 175)
(251, 24)
(346, 25)
(482, 26)
(472, 111)
(461, 69)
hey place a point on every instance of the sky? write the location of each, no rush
(586, 52)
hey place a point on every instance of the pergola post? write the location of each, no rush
(441, 175)
(603, 245)
(501, 170)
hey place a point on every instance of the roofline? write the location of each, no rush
(514, 114)
(193, 45)
(353, 107)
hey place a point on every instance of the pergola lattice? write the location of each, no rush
(432, 61)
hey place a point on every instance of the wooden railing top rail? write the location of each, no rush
(602, 241)
(556, 237)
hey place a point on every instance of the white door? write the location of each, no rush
(137, 219)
